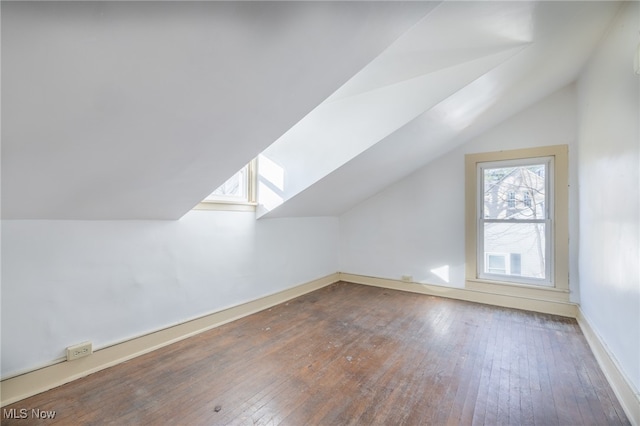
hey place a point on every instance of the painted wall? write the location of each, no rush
(338, 130)
(155, 104)
(416, 226)
(64, 282)
(609, 160)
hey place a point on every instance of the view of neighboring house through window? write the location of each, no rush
(514, 229)
(511, 199)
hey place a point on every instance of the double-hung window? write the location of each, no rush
(508, 229)
(517, 221)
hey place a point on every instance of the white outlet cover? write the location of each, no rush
(78, 351)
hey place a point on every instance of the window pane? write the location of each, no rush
(514, 192)
(516, 262)
(521, 247)
(496, 264)
(233, 189)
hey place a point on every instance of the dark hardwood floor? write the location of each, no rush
(353, 354)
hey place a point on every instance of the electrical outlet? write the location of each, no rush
(407, 278)
(79, 350)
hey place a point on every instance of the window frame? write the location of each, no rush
(548, 219)
(558, 286)
(233, 203)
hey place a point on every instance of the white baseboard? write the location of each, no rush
(20, 387)
(629, 397)
(555, 307)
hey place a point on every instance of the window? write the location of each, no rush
(496, 263)
(503, 263)
(515, 263)
(517, 231)
(234, 189)
(511, 199)
(237, 193)
(510, 229)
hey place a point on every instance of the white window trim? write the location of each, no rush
(558, 286)
(230, 204)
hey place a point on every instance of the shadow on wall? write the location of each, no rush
(270, 184)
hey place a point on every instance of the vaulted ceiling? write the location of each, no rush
(121, 110)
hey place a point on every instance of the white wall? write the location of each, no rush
(417, 225)
(154, 104)
(339, 130)
(609, 160)
(64, 282)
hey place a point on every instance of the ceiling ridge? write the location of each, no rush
(518, 48)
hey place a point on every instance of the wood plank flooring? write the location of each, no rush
(353, 355)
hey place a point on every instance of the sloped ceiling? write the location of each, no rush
(537, 48)
(138, 110)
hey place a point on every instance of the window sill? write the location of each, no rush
(519, 290)
(226, 206)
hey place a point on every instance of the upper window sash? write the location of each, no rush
(543, 204)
